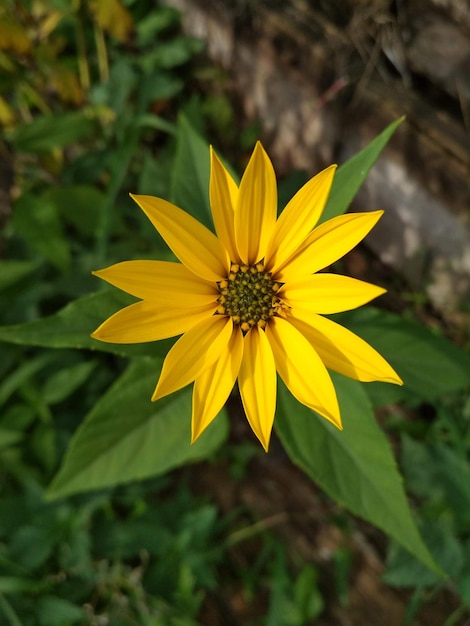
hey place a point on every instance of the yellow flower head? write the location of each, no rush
(249, 301)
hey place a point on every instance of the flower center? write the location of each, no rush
(248, 295)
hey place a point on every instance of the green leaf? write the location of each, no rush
(437, 472)
(429, 364)
(72, 325)
(37, 220)
(23, 372)
(11, 584)
(67, 380)
(308, 598)
(79, 205)
(53, 131)
(405, 571)
(154, 177)
(31, 544)
(354, 466)
(116, 91)
(351, 175)
(155, 122)
(12, 272)
(9, 437)
(189, 187)
(126, 437)
(151, 25)
(418, 468)
(54, 611)
(163, 86)
(8, 612)
(171, 53)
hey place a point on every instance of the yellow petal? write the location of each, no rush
(255, 213)
(257, 383)
(341, 350)
(160, 281)
(328, 243)
(298, 218)
(193, 353)
(213, 387)
(329, 293)
(302, 370)
(193, 243)
(223, 193)
(145, 321)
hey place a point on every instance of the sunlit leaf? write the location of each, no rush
(126, 437)
(13, 35)
(7, 115)
(113, 17)
(72, 325)
(65, 81)
(50, 20)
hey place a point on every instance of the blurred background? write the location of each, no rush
(92, 98)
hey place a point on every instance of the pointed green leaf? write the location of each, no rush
(190, 173)
(354, 466)
(127, 437)
(352, 174)
(72, 325)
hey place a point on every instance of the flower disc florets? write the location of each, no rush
(248, 295)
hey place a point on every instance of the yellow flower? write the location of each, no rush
(249, 301)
